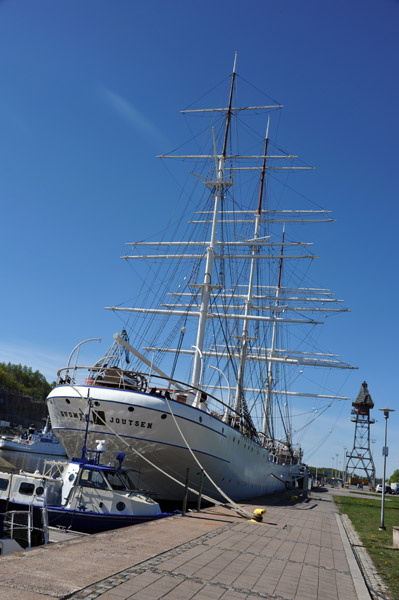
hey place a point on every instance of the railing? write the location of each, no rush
(25, 527)
(154, 385)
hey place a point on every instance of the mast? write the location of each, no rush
(210, 252)
(269, 382)
(248, 302)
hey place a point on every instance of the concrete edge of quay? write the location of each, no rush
(357, 575)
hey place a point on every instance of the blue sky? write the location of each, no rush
(90, 94)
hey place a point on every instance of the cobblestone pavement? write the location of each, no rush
(298, 552)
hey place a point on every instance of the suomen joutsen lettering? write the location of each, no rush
(130, 422)
(100, 419)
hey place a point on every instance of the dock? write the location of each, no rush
(301, 550)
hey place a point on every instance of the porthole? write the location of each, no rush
(163, 416)
(39, 490)
(120, 506)
(67, 401)
(131, 409)
(96, 403)
(71, 477)
(200, 419)
(222, 429)
(234, 439)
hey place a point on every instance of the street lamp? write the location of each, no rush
(344, 466)
(386, 412)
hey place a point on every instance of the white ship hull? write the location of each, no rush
(141, 422)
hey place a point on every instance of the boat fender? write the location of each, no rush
(294, 498)
(257, 516)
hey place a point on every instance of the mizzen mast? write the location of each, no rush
(269, 382)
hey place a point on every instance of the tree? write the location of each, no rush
(394, 478)
(23, 380)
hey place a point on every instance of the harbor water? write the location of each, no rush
(26, 461)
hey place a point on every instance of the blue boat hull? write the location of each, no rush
(91, 522)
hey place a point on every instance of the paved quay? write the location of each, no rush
(300, 551)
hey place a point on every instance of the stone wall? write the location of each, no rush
(22, 410)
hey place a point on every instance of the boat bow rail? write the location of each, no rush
(152, 385)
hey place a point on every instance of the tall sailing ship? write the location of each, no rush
(197, 386)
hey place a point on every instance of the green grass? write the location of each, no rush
(365, 515)
(370, 494)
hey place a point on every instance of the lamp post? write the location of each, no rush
(344, 466)
(386, 412)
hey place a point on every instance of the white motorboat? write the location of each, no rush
(81, 495)
(36, 441)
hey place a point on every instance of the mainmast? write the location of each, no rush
(239, 397)
(210, 252)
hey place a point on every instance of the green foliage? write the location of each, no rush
(22, 380)
(394, 478)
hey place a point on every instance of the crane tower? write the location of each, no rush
(360, 458)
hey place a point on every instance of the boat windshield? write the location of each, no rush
(90, 478)
(119, 481)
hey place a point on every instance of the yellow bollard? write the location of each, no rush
(258, 515)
